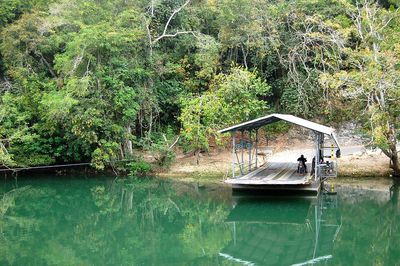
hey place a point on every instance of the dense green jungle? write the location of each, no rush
(102, 81)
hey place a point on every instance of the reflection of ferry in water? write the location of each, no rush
(282, 231)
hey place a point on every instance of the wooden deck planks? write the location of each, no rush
(275, 173)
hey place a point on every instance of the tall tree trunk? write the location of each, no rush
(394, 158)
(393, 155)
(394, 161)
(198, 157)
(121, 151)
(128, 142)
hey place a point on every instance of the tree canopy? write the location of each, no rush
(91, 80)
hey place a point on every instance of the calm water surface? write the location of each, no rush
(77, 221)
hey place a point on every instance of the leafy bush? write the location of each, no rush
(139, 168)
(165, 157)
(160, 145)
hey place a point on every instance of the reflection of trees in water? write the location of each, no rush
(393, 225)
(195, 219)
(140, 222)
(370, 232)
(11, 223)
(155, 216)
(152, 222)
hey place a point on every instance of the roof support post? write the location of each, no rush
(321, 144)
(242, 148)
(256, 147)
(316, 155)
(250, 150)
(319, 154)
(233, 153)
(337, 145)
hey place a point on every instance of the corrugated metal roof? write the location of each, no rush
(269, 119)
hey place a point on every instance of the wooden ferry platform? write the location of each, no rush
(274, 173)
(248, 172)
(276, 177)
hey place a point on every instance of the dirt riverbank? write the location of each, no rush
(357, 164)
(217, 164)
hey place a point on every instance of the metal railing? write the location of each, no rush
(245, 167)
(327, 170)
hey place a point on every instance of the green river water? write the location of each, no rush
(78, 221)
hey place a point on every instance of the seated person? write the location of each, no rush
(302, 160)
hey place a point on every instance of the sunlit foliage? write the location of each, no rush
(86, 80)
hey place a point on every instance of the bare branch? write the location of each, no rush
(244, 55)
(77, 61)
(164, 34)
(173, 14)
(149, 36)
(174, 35)
(390, 19)
(87, 69)
(47, 64)
(173, 144)
(152, 8)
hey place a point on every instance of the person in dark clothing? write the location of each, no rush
(302, 160)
